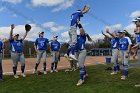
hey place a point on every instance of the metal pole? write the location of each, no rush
(3, 53)
(30, 52)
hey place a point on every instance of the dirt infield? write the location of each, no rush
(30, 63)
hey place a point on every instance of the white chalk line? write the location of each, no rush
(31, 70)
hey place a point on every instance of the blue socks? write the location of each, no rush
(115, 68)
(44, 66)
(72, 50)
(118, 67)
(0, 76)
(15, 70)
(36, 66)
(22, 68)
(125, 72)
(82, 73)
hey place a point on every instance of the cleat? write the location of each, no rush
(138, 85)
(113, 73)
(68, 70)
(123, 77)
(66, 56)
(35, 71)
(51, 71)
(23, 75)
(73, 57)
(80, 82)
(44, 72)
(16, 76)
(56, 70)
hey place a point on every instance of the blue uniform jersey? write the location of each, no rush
(55, 46)
(137, 38)
(115, 43)
(81, 42)
(1, 46)
(41, 43)
(124, 43)
(16, 45)
(74, 17)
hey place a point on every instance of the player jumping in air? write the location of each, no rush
(75, 19)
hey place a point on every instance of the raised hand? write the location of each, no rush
(12, 26)
(107, 30)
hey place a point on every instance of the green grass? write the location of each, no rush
(98, 81)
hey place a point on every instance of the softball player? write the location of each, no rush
(40, 46)
(137, 43)
(1, 48)
(81, 54)
(125, 47)
(115, 50)
(75, 19)
(17, 52)
(55, 48)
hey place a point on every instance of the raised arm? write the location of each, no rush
(35, 47)
(27, 29)
(24, 36)
(11, 32)
(106, 35)
(88, 37)
(85, 9)
(111, 34)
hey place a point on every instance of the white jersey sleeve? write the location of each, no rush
(129, 41)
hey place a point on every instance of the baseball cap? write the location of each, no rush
(138, 18)
(16, 34)
(79, 10)
(55, 37)
(41, 32)
(135, 20)
(122, 31)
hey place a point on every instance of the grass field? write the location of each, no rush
(98, 81)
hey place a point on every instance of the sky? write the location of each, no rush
(53, 16)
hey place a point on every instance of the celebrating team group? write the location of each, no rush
(76, 50)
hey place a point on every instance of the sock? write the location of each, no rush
(36, 66)
(82, 73)
(115, 68)
(0, 76)
(22, 68)
(125, 72)
(85, 70)
(15, 70)
(118, 67)
(55, 65)
(73, 50)
(52, 65)
(68, 51)
(44, 66)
